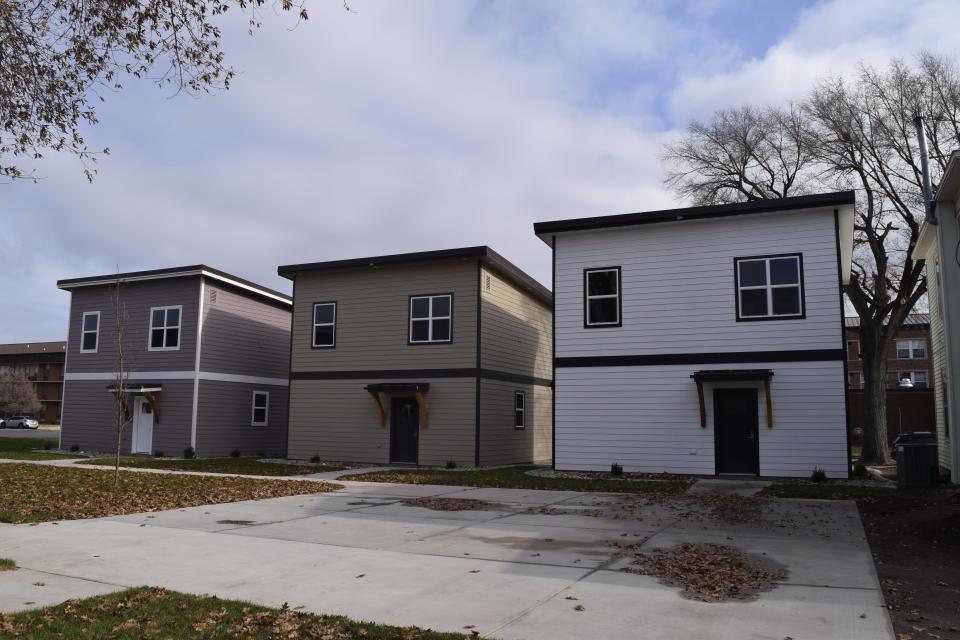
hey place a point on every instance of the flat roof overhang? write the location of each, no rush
(733, 375)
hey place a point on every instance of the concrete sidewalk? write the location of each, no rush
(517, 569)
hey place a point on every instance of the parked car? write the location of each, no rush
(21, 422)
(3, 424)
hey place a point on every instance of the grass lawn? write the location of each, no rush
(517, 478)
(826, 491)
(6, 564)
(157, 613)
(249, 466)
(38, 493)
(21, 449)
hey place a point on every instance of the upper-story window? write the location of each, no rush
(769, 287)
(165, 328)
(324, 325)
(431, 318)
(90, 332)
(601, 292)
(911, 349)
(853, 349)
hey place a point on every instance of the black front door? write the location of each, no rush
(404, 430)
(736, 437)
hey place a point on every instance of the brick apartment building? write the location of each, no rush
(42, 363)
(908, 408)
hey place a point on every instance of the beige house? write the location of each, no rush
(420, 358)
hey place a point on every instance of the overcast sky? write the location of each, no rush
(419, 125)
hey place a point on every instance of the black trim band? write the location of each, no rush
(733, 357)
(408, 374)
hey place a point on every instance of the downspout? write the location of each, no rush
(930, 216)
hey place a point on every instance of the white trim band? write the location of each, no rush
(180, 375)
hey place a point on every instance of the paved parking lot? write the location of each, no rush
(517, 569)
(30, 433)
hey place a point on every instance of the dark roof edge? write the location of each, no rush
(693, 213)
(174, 272)
(482, 252)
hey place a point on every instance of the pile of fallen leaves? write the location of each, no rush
(35, 493)
(158, 613)
(448, 504)
(707, 572)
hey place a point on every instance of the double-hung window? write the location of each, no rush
(601, 304)
(519, 408)
(769, 287)
(259, 413)
(911, 349)
(918, 378)
(165, 328)
(431, 318)
(324, 325)
(90, 332)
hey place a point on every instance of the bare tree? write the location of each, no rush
(59, 58)
(18, 395)
(848, 134)
(121, 414)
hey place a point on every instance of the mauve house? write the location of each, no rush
(207, 355)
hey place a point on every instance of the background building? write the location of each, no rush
(42, 364)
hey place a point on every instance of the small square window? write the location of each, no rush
(769, 288)
(164, 329)
(431, 318)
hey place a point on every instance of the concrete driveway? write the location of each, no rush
(515, 570)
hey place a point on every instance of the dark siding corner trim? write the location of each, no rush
(733, 357)
(843, 345)
(476, 403)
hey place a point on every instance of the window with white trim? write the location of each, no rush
(601, 297)
(519, 410)
(769, 287)
(911, 349)
(918, 378)
(165, 328)
(431, 318)
(324, 325)
(90, 332)
(259, 414)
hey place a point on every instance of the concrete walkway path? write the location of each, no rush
(518, 568)
(729, 486)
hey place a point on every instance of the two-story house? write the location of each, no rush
(420, 358)
(205, 356)
(705, 340)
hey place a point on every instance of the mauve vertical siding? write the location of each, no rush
(224, 416)
(242, 334)
(138, 298)
(88, 419)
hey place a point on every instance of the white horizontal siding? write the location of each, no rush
(647, 419)
(678, 291)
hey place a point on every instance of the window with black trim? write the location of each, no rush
(601, 297)
(519, 410)
(164, 328)
(259, 414)
(324, 325)
(431, 318)
(90, 332)
(769, 287)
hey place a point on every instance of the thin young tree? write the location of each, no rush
(121, 413)
(855, 133)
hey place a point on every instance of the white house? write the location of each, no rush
(705, 340)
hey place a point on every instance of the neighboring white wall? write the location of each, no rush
(678, 285)
(647, 419)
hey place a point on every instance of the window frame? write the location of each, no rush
(522, 411)
(769, 288)
(166, 327)
(83, 331)
(429, 318)
(586, 298)
(912, 373)
(911, 348)
(314, 324)
(265, 407)
(850, 354)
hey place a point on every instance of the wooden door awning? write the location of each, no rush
(417, 388)
(733, 375)
(148, 391)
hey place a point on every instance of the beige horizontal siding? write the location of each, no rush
(516, 328)
(500, 442)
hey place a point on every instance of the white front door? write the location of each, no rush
(142, 441)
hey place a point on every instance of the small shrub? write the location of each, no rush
(859, 470)
(235, 453)
(189, 453)
(158, 454)
(315, 459)
(74, 448)
(818, 475)
(451, 464)
(48, 445)
(616, 470)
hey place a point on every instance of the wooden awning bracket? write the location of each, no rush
(703, 408)
(422, 404)
(734, 375)
(766, 391)
(380, 412)
(152, 399)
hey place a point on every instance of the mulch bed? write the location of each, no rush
(915, 540)
(707, 572)
(448, 504)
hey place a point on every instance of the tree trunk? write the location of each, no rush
(875, 448)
